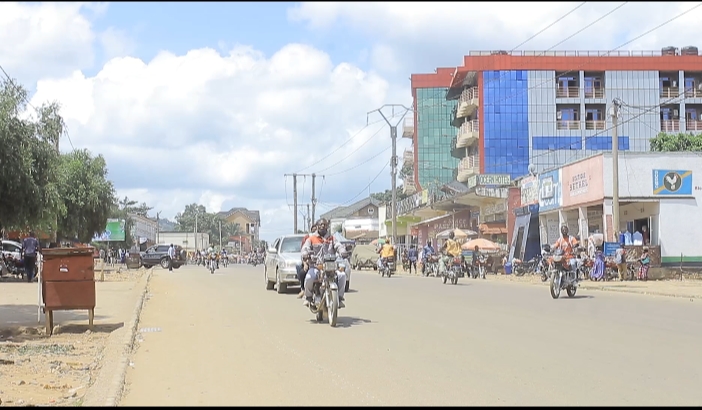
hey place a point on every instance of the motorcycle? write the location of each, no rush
(225, 261)
(213, 264)
(388, 267)
(562, 276)
(325, 291)
(454, 271)
(432, 266)
(479, 270)
(521, 268)
(14, 266)
(544, 266)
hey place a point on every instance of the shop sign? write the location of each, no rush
(489, 180)
(494, 209)
(578, 184)
(550, 190)
(670, 182)
(529, 188)
(500, 193)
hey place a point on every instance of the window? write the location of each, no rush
(162, 248)
(593, 115)
(291, 245)
(691, 114)
(371, 211)
(568, 114)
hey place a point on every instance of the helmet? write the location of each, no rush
(451, 235)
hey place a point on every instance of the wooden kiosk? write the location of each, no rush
(67, 283)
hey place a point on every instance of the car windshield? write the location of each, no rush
(291, 245)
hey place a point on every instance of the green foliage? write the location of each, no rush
(206, 222)
(664, 142)
(87, 195)
(406, 171)
(386, 196)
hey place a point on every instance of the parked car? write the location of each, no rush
(158, 255)
(11, 248)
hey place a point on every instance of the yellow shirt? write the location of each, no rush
(387, 251)
(453, 248)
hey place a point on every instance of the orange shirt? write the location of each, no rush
(567, 245)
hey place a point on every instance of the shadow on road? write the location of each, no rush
(580, 297)
(343, 321)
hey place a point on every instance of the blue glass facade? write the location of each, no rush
(594, 143)
(505, 122)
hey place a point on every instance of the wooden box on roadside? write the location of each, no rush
(68, 278)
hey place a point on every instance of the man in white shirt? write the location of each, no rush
(171, 256)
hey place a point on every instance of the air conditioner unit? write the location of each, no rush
(559, 115)
(675, 84)
(676, 113)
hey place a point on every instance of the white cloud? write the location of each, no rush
(222, 130)
(424, 35)
(116, 43)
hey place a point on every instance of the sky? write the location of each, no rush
(214, 102)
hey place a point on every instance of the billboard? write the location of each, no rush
(529, 187)
(114, 232)
(671, 182)
(550, 197)
(583, 182)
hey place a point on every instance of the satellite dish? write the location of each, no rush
(532, 169)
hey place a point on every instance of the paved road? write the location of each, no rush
(225, 340)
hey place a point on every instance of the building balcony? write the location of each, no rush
(693, 125)
(670, 92)
(408, 156)
(408, 186)
(408, 128)
(468, 167)
(595, 125)
(670, 125)
(568, 125)
(568, 92)
(468, 133)
(467, 103)
(693, 93)
(594, 93)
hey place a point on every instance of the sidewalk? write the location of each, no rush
(691, 289)
(37, 370)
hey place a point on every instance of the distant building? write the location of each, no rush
(188, 240)
(144, 227)
(358, 221)
(249, 222)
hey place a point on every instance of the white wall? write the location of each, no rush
(382, 216)
(361, 224)
(679, 218)
(185, 239)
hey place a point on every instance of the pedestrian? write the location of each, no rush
(171, 256)
(599, 266)
(620, 260)
(412, 255)
(30, 248)
(645, 261)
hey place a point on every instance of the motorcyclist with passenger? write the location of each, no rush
(450, 249)
(568, 245)
(386, 252)
(312, 249)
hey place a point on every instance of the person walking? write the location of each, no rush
(30, 248)
(171, 256)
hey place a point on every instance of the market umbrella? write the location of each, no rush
(482, 243)
(459, 233)
(380, 241)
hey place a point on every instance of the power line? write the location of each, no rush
(361, 163)
(26, 100)
(367, 186)
(353, 152)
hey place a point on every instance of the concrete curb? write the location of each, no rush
(115, 387)
(625, 290)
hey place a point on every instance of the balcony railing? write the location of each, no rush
(408, 128)
(693, 93)
(470, 163)
(595, 125)
(693, 125)
(670, 125)
(468, 94)
(594, 93)
(568, 125)
(567, 92)
(469, 127)
(408, 155)
(670, 92)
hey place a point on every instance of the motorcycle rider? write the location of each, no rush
(386, 252)
(427, 252)
(311, 248)
(451, 249)
(567, 244)
(302, 267)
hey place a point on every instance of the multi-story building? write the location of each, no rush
(144, 228)
(551, 108)
(431, 131)
(249, 222)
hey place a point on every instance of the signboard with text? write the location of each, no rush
(529, 188)
(670, 182)
(550, 190)
(489, 180)
(583, 182)
(114, 232)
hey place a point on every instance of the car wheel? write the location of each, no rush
(176, 266)
(164, 263)
(147, 266)
(280, 286)
(269, 284)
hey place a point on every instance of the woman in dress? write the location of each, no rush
(598, 268)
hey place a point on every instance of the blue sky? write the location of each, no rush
(180, 27)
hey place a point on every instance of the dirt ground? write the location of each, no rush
(56, 371)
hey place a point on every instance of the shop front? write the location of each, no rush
(427, 230)
(525, 239)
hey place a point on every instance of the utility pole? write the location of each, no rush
(158, 227)
(615, 167)
(314, 201)
(393, 158)
(196, 235)
(296, 204)
(309, 219)
(220, 235)
(55, 235)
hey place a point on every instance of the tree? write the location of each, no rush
(29, 159)
(206, 222)
(664, 142)
(86, 193)
(406, 171)
(386, 196)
